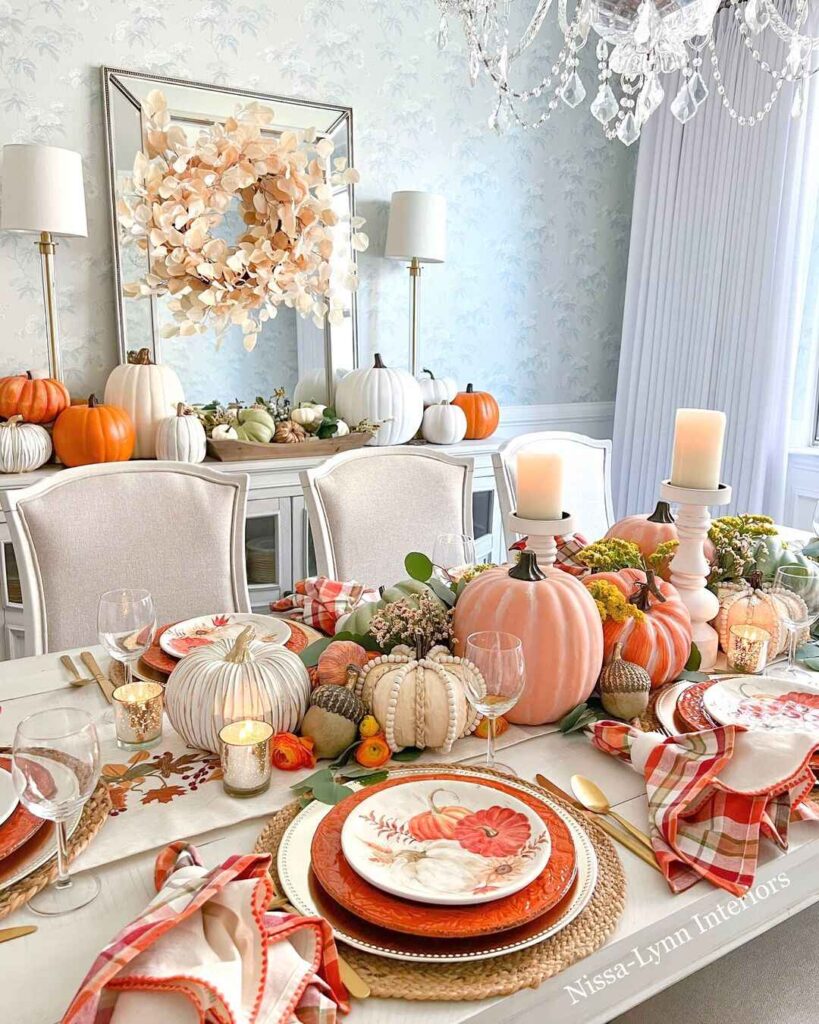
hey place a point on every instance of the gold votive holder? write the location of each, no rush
(138, 714)
(748, 648)
(244, 749)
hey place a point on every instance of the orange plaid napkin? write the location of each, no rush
(321, 602)
(712, 794)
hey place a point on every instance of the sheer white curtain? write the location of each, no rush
(721, 235)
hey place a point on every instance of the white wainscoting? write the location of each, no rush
(596, 419)
(802, 487)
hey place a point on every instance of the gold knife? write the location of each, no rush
(90, 662)
(6, 934)
(618, 835)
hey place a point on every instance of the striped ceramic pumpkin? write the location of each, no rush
(660, 638)
(558, 624)
(226, 682)
(23, 446)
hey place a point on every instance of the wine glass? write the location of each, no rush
(126, 622)
(451, 553)
(499, 659)
(797, 580)
(815, 521)
(55, 766)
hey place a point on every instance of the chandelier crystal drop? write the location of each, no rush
(637, 43)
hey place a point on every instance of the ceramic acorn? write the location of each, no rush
(23, 446)
(419, 700)
(333, 717)
(181, 438)
(624, 687)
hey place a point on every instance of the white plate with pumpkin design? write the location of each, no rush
(448, 843)
(190, 635)
(764, 702)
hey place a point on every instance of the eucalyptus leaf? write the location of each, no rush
(442, 590)
(305, 784)
(694, 659)
(310, 655)
(330, 792)
(345, 755)
(693, 677)
(807, 651)
(362, 639)
(407, 754)
(419, 566)
(373, 778)
(568, 722)
(811, 663)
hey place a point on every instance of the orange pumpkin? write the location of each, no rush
(659, 639)
(437, 822)
(647, 531)
(557, 621)
(481, 410)
(335, 660)
(37, 401)
(84, 434)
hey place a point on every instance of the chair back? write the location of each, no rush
(368, 509)
(586, 478)
(172, 528)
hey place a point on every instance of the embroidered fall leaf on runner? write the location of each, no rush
(149, 777)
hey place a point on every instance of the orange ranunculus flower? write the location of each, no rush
(373, 752)
(292, 752)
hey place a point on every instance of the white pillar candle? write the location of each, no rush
(539, 485)
(698, 440)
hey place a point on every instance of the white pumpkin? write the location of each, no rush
(435, 390)
(308, 415)
(23, 446)
(342, 430)
(224, 432)
(444, 424)
(181, 438)
(382, 395)
(148, 393)
(312, 387)
(231, 680)
(419, 702)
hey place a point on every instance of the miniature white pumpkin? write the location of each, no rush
(181, 438)
(23, 446)
(308, 415)
(341, 429)
(224, 432)
(231, 680)
(312, 387)
(382, 395)
(419, 702)
(444, 424)
(148, 392)
(435, 390)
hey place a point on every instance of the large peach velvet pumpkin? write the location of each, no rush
(557, 621)
(659, 639)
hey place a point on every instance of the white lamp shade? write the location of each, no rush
(417, 227)
(42, 190)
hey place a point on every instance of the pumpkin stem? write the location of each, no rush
(755, 580)
(527, 568)
(12, 421)
(641, 598)
(469, 389)
(378, 362)
(140, 358)
(431, 374)
(28, 375)
(354, 673)
(239, 652)
(92, 402)
(662, 514)
(431, 798)
(422, 646)
(180, 408)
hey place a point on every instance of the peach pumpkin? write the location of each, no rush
(335, 660)
(659, 639)
(558, 624)
(647, 531)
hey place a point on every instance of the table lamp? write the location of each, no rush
(43, 194)
(416, 232)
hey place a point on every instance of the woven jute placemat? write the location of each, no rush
(93, 817)
(500, 976)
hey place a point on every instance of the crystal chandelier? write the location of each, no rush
(638, 41)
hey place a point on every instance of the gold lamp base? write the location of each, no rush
(415, 274)
(47, 247)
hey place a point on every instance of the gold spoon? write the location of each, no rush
(594, 799)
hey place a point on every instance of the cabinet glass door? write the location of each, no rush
(267, 551)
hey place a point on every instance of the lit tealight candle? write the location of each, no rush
(698, 440)
(539, 485)
(244, 749)
(138, 714)
(748, 648)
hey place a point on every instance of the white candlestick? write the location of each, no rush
(539, 485)
(698, 440)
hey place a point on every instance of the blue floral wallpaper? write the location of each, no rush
(530, 297)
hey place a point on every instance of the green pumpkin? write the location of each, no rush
(253, 431)
(412, 589)
(772, 553)
(358, 621)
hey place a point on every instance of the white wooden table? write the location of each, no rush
(659, 940)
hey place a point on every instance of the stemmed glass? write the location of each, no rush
(55, 767)
(499, 659)
(797, 580)
(126, 622)
(452, 551)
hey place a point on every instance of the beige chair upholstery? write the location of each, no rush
(369, 508)
(175, 529)
(586, 476)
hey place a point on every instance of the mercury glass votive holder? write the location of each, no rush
(748, 648)
(138, 714)
(244, 750)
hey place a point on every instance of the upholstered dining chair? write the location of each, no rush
(586, 478)
(370, 508)
(174, 529)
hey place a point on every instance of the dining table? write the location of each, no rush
(660, 937)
